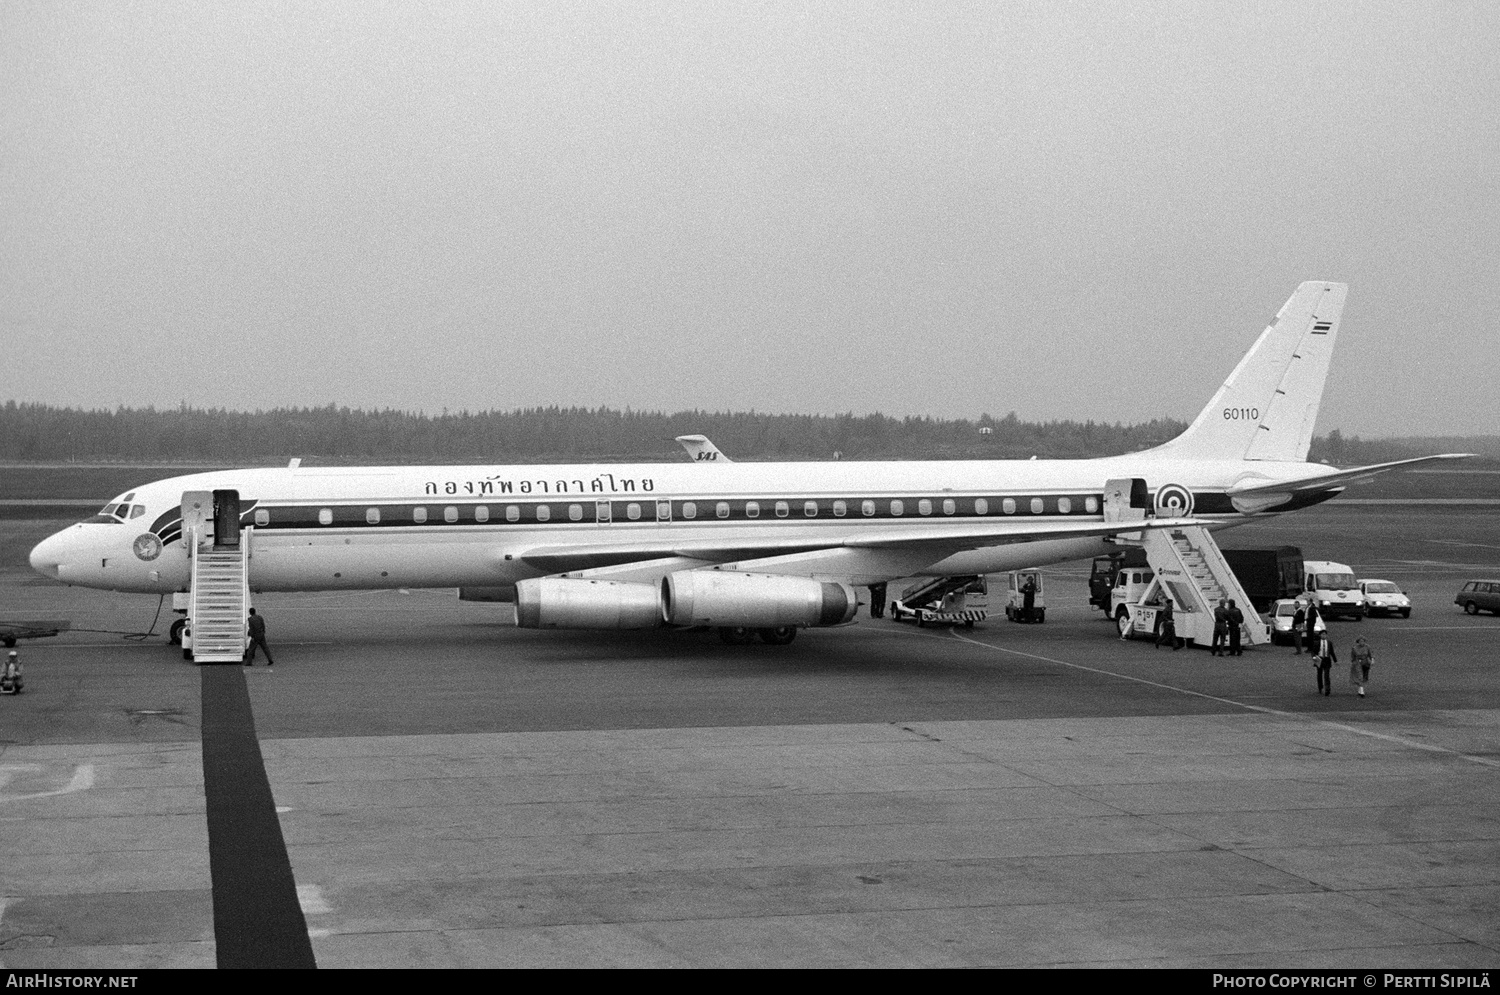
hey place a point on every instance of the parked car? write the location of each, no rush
(1480, 595)
(1281, 622)
(1384, 598)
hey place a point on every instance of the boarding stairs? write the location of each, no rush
(1190, 568)
(935, 590)
(220, 599)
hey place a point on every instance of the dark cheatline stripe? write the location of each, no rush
(258, 921)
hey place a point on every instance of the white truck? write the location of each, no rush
(1334, 589)
(1130, 586)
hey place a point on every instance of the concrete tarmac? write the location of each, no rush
(457, 792)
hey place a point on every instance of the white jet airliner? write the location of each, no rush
(742, 546)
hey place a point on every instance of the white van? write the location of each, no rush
(1334, 588)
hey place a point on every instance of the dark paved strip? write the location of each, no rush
(258, 921)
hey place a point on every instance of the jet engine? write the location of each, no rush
(577, 603)
(730, 599)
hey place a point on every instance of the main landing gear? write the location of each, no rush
(740, 636)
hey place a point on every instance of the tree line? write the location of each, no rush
(35, 432)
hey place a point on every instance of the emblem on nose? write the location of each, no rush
(147, 546)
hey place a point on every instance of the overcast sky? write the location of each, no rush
(1068, 211)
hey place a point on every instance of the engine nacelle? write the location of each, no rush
(754, 601)
(577, 603)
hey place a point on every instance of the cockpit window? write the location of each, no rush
(118, 511)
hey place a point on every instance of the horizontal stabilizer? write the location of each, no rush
(1338, 478)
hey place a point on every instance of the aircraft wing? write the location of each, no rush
(941, 540)
(10, 631)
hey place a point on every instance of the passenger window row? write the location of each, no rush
(667, 511)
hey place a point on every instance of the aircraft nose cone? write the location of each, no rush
(47, 556)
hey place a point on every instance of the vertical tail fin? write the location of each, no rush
(701, 449)
(1267, 407)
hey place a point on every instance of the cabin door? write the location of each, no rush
(226, 519)
(1125, 500)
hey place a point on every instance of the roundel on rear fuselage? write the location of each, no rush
(1174, 501)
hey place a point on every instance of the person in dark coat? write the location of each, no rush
(1221, 628)
(1166, 629)
(257, 629)
(1299, 623)
(1324, 662)
(1236, 619)
(1028, 597)
(1312, 627)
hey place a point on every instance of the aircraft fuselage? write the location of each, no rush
(454, 526)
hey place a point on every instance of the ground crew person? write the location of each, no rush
(1221, 628)
(1167, 629)
(11, 681)
(1299, 622)
(1028, 597)
(1236, 619)
(257, 627)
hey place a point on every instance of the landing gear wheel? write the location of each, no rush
(735, 635)
(1122, 624)
(174, 634)
(779, 636)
